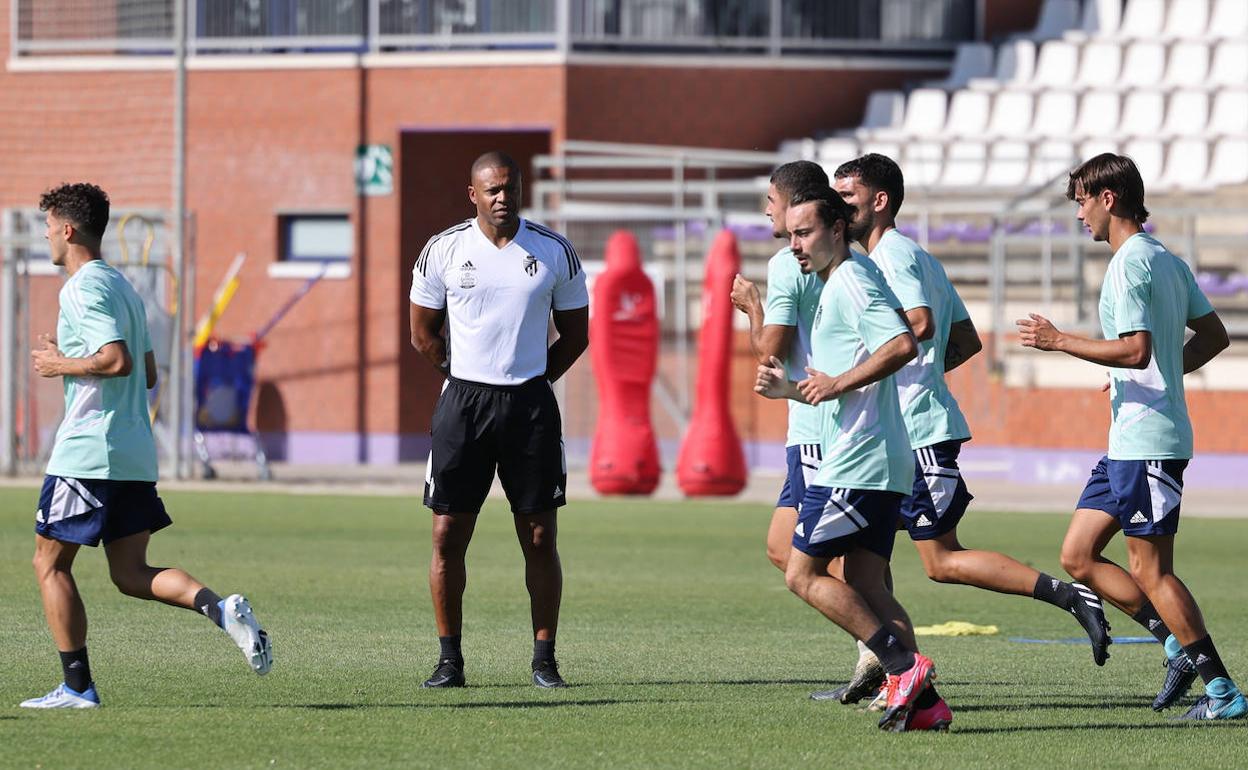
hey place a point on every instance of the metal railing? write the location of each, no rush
(770, 27)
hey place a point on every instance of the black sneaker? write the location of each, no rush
(449, 673)
(1087, 610)
(1180, 673)
(546, 674)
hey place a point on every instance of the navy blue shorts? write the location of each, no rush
(802, 461)
(86, 511)
(940, 495)
(1143, 495)
(834, 521)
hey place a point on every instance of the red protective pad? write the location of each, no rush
(711, 460)
(624, 349)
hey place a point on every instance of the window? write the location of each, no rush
(325, 237)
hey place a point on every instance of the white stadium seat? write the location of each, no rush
(798, 149)
(1016, 63)
(1148, 157)
(1186, 19)
(968, 113)
(1187, 114)
(1229, 116)
(1099, 112)
(1057, 65)
(1187, 165)
(922, 162)
(1143, 65)
(1142, 113)
(1055, 114)
(964, 164)
(1230, 161)
(1052, 160)
(1099, 64)
(1143, 19)
(1188, 65)
(888, 147)
(1011, 114)
(1229, 19)
(925, 112)
(1008, 164)
(836, 150)
(1056, 18)
(1230, 63)
(972, 60)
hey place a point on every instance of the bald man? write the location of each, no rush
(495, 281)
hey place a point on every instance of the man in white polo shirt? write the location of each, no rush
(495, 281)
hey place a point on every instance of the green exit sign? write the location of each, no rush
(374, 169)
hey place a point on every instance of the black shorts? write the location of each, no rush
(514, 428)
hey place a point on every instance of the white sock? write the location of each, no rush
(863, 652)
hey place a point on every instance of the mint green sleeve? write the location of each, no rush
(905, 278)
(783, 293)
(1132, 299)
(878, 322)
(99, 321)
(1197, 303)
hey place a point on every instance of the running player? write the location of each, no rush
(101, 477)
(495, 281)
(859, 338)
(781, 329)
(873, 186)
(1148, 299)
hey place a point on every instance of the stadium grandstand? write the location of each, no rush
(663, 117)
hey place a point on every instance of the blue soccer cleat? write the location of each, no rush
(1222, 700)
(1180, 673)
(65, 698)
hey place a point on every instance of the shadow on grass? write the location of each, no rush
(482, 705)
(1064, 705)
(1100, 726)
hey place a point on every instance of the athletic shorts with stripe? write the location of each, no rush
(1144, 495)
(514, 428)
(834, 521)
(802, 460)
(86, 511)
(940, 496)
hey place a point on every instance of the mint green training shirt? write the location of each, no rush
(106, 432)
(919, 280)
(1149, 289)
(864, 436)
(792, 298)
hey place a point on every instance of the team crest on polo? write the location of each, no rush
(467, 275)
(530, 264)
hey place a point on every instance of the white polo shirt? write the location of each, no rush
(498, 301)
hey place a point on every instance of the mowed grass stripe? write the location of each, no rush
(681, 642)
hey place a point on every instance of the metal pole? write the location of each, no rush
(8, 348)
(563, 26)
(177, 367)
(682, 285)
(373, 44)
(998, 295)
(776, 27)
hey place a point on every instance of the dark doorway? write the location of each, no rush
(433, 185)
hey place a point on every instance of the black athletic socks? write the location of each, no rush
(1208, 663)
(892, 654)
(77, 670)
(209, 604)
(450, 649)
(543, 650)
(1056, 592)
(1149, 619)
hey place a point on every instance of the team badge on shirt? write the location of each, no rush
(530, 264)
(467, 275)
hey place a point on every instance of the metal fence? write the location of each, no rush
(773, 27)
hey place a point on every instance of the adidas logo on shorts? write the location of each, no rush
(1139, 518)
(558, 491)
(923, 521)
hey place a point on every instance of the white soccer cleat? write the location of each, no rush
(240, 623)
(64, 698)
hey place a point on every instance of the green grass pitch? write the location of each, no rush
(681, 642)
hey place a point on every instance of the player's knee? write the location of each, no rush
(797, 581)
(1147, 577)
(541, 542)
(941, 570)
(43, 565)
(131, 582)
(778, 556)
(1077, 562)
